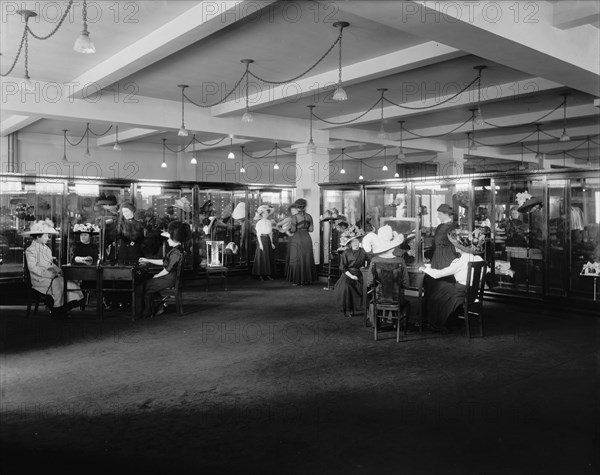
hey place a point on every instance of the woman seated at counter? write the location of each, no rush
(84, 251)
(442, 304)
(46, 277)
(177, 235)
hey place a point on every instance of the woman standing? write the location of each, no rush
(301, 268)
(347, 291)
(443, 250)
(264, 258)
(46, 277)
(130, 234)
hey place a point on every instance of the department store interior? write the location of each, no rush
(375, 113)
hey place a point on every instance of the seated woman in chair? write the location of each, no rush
(178, 234)
(349, 287)
(385, 260)
(46, 277)
(450, 296)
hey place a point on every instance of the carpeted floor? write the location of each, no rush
(267, 378)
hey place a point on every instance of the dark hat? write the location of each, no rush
(103, 199)
(446, 209)
(529, 205)
(300, 203)
(470, 242)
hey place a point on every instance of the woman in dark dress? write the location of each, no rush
(301, 268)
(444, 253)
(264, 258)
(178, 234)
(130, 234)
(84, 251)
(349, 287)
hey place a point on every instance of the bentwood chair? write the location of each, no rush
(388, 298)
(33, 296)
(473, 303)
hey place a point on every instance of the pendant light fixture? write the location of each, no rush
(468, 145)
(522, 165)
(182, 131)
(87, 155)
(193, 161)
(117, 146)
(401, 155)
(231, 155)
(83, 44)
(339, 93)
(342, 171)
(247, 117)
(65, 159)
(478, 116)
(589, 163)
(276, 166)
(384, 167)
(26, 84)
(164, 163)
(382, 133)
(312, 148)
(242, 169)
(538, 155)
(564, 137)
(473, 144)
(360, 177)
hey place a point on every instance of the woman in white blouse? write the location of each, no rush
(449, 297)
(264, 258)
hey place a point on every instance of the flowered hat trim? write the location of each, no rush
(86, 228)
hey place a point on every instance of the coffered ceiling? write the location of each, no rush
(423, 53)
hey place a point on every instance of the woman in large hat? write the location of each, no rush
(301, 268)
(348, 289)
(449, 296)
(264, 258)
(84, 251)
(46, 277)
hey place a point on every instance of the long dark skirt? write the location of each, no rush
(264, 261)
(301, 266)
(146, 289)
(348, 293)
(443, 300)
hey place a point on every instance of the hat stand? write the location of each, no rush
(331, 223)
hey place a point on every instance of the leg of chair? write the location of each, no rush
(467, 323)
(398, 329)
(179, 301)
(481, 322)
(375, 320)
(28, 308)
(35, 310)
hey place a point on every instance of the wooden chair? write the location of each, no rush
(34, 297)
(175, 291)
(388, 298)
(473, 303)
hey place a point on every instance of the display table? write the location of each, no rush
(102, 275)
(595, 277)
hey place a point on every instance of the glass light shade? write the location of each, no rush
(276, 167)
(538, 156)
(117, 147)
(339, 94)
(360, 177)
(396, 175)
(242, 170)
(342, 171)
(384, 168)
(479, 117)
(193, 161)
(401, 156)
(564, 136)
(64, 159)
(87, 155)
(311, 146)
(182, 131)
(163, 165)
(382, 133)
(247, 117)
(27, 84)
(231, 156)
(83, 44)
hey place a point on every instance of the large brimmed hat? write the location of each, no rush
(262, 208)
(446, 209)
(353, 232)
(183, 204)
(466, 241)
(300, 203)
(240, 211)
(88, 228)
(529, 205)
(387, 239)
(40, 227)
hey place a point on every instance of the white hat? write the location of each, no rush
(40, 227)
(368, 240)
(183, 204)
(386, 239)
(240, 211)
(208, 227)
(262, 208)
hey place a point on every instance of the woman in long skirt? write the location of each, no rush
(301, 268)
(264, 258)
(348, 290)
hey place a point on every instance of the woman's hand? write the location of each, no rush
(142, 260)
(261, 248)
(273, 246)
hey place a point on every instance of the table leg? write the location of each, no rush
(99, 296)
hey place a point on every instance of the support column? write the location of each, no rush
(312, 168)
(450, 163)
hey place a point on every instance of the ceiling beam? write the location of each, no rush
(370, 137)
(14, 123)
(519, 35)
(381, 66)
(129, 135)
(572, 14)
